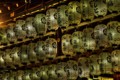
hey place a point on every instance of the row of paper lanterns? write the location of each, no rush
(63, 16)
(95, 65)
(101, 36)
(27, 53)
(79, 41)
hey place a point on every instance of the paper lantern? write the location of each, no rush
(23, 54)
(26, 75)
(67, 48)
(105, 63)
(113, 32)
(15, 56)
(71, 68)
(20, 33)
(74, 12)
(31, 52)
(100, 35)
(51, 48)
(42, 73)
(52, 72)
(7, 58)
(77, 41)
(63, 20)
(51, 17)
(100, 8)
(94, 65)
(20, 75)
(2, 61)
(115, 55)
(29, 28)
(87, 10)
(34, 75)
(88, 39)
(113, 5)
(40, 24)
(10, 33)
(40, 50)
(83, 67)
(3, 36)
(61, 74)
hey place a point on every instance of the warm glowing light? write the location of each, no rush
(12, 14)
(8, 7)
(17, 5)
(0, 11)
(26, 1)
(1, 23)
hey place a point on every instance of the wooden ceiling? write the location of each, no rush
(7, 7)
